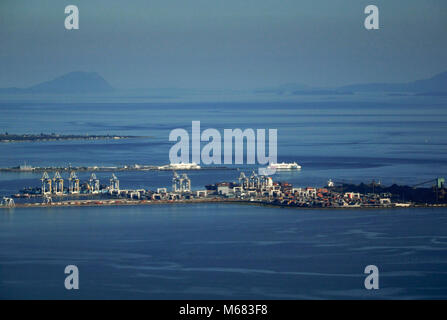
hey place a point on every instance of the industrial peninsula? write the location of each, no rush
(253, 189)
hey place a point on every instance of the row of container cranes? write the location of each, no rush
(55, 185)
(258, 188)
(254, 181)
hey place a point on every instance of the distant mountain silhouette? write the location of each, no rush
(435, 85)
(91, 82)
(300, 89)
(70, 83)
(286, 88)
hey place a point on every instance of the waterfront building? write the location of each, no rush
(352, 195)
(224, 189)
(201, 193)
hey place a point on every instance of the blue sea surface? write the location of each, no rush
(228, 251)
(399, 141)
(222, 251)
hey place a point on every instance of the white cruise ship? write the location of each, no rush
(284, 166)
(180, 166)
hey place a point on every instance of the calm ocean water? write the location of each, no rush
(391, 141)
(222, 251)
(219, 251)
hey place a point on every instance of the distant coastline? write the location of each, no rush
(81, 83)
(133, 167)
(13, 138)
(127, 202)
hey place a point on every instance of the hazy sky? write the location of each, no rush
(222, 43)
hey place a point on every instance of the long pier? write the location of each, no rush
(11, 138)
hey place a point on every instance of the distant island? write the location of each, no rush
(434, 86)
(6, 137)
(80, 83)
(302, 90)
(71, 83)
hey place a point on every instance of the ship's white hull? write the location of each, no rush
(180, 166)
(284, 166)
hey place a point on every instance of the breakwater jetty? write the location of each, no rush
(130, 167)
(11, 138)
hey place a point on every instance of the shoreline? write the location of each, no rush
(108, 203)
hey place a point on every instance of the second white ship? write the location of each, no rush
(284, 166)
(180, 166)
